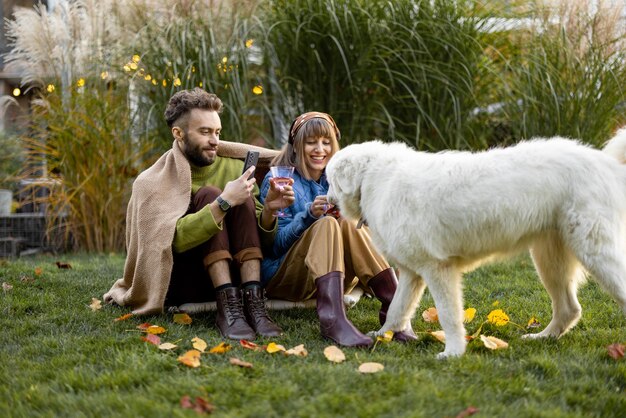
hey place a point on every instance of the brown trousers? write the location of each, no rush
(237, 242)
(327, 245)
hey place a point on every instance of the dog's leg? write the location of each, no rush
(444, 284)
(560, 274)
(405, 301)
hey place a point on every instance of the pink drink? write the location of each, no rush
(282, 181)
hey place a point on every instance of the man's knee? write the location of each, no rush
(205, 195)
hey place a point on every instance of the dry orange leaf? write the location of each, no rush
(616, 351)
(152, 339)
(182, 318)
(144, 326)
(274, 348)
(199, 344)
(298, 350)
(221, 348)
(124, 317)
(94, 305)
(38, 271)
(334, 354)
(167, 346)
(236, 362)
(430, 315)
(191, 358)
(200, 405)
(493, 343)
(470, 410)
(251, 346)
(6, 287)
(63, 265)
(155, 329)
(439, 335)
(371, 367)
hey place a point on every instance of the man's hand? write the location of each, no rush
(239, 190)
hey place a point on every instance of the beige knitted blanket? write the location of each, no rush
(160, 196)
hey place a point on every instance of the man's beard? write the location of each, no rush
(195, 155)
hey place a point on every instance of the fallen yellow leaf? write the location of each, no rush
(251, 346)
(199, 344)
(334, 354)
(439, 335)
(274, 348)
(182, 318)
(191, 358)
(430, 315)
(493, 343)
(236, 362)
(298, 350)
(371, 367)
(386, 337)
(94, 305)
(155, 329)
(221, 348)
(468, 315)
(533, 323)
(167, 346)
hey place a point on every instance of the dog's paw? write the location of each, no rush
(378, 333)
(538, 336)
(444, 355)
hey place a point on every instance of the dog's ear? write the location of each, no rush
(344, 171)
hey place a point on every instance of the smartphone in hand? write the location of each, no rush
(252, 159)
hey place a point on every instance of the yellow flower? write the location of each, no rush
(257, 90)
(80, 82)
(136, 58)
(154, 81)
(200, 84)
(133, 65)
(148, 77)
(498, 317)
(164, 83)
(193, 69)
(50, 88)
(104, 75)
(177, 82)
(249, 43)
(225, 60)
(468, 315)
(126, 68)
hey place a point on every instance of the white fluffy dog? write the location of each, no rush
(436, 216)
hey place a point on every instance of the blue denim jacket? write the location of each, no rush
(297, 220)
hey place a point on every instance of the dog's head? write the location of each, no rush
(345, 172)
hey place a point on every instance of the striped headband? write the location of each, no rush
(304, 118)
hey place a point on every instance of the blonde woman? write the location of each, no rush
(316, 254)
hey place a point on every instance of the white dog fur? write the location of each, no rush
(436, 216)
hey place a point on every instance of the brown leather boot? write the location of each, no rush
(256, 312)
(230, 318)
(333, 321)
(384, 286)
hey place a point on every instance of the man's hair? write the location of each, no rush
(184, 101)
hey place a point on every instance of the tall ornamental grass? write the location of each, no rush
(411, 71)
(80, 143)
(569, 77)
(202, 46)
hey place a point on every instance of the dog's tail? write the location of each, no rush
(616, 146)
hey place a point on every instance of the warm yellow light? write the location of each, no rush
(17, 92)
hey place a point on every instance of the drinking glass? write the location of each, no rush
(282, 176)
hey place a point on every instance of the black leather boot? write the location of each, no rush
(256, 312)
(333, 321)
(384, 286)
(230, 319)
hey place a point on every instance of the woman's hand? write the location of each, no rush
(320, 206)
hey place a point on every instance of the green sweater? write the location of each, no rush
(196, 228)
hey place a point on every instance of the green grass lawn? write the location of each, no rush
(60, 358)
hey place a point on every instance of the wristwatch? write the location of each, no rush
(224, 205)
